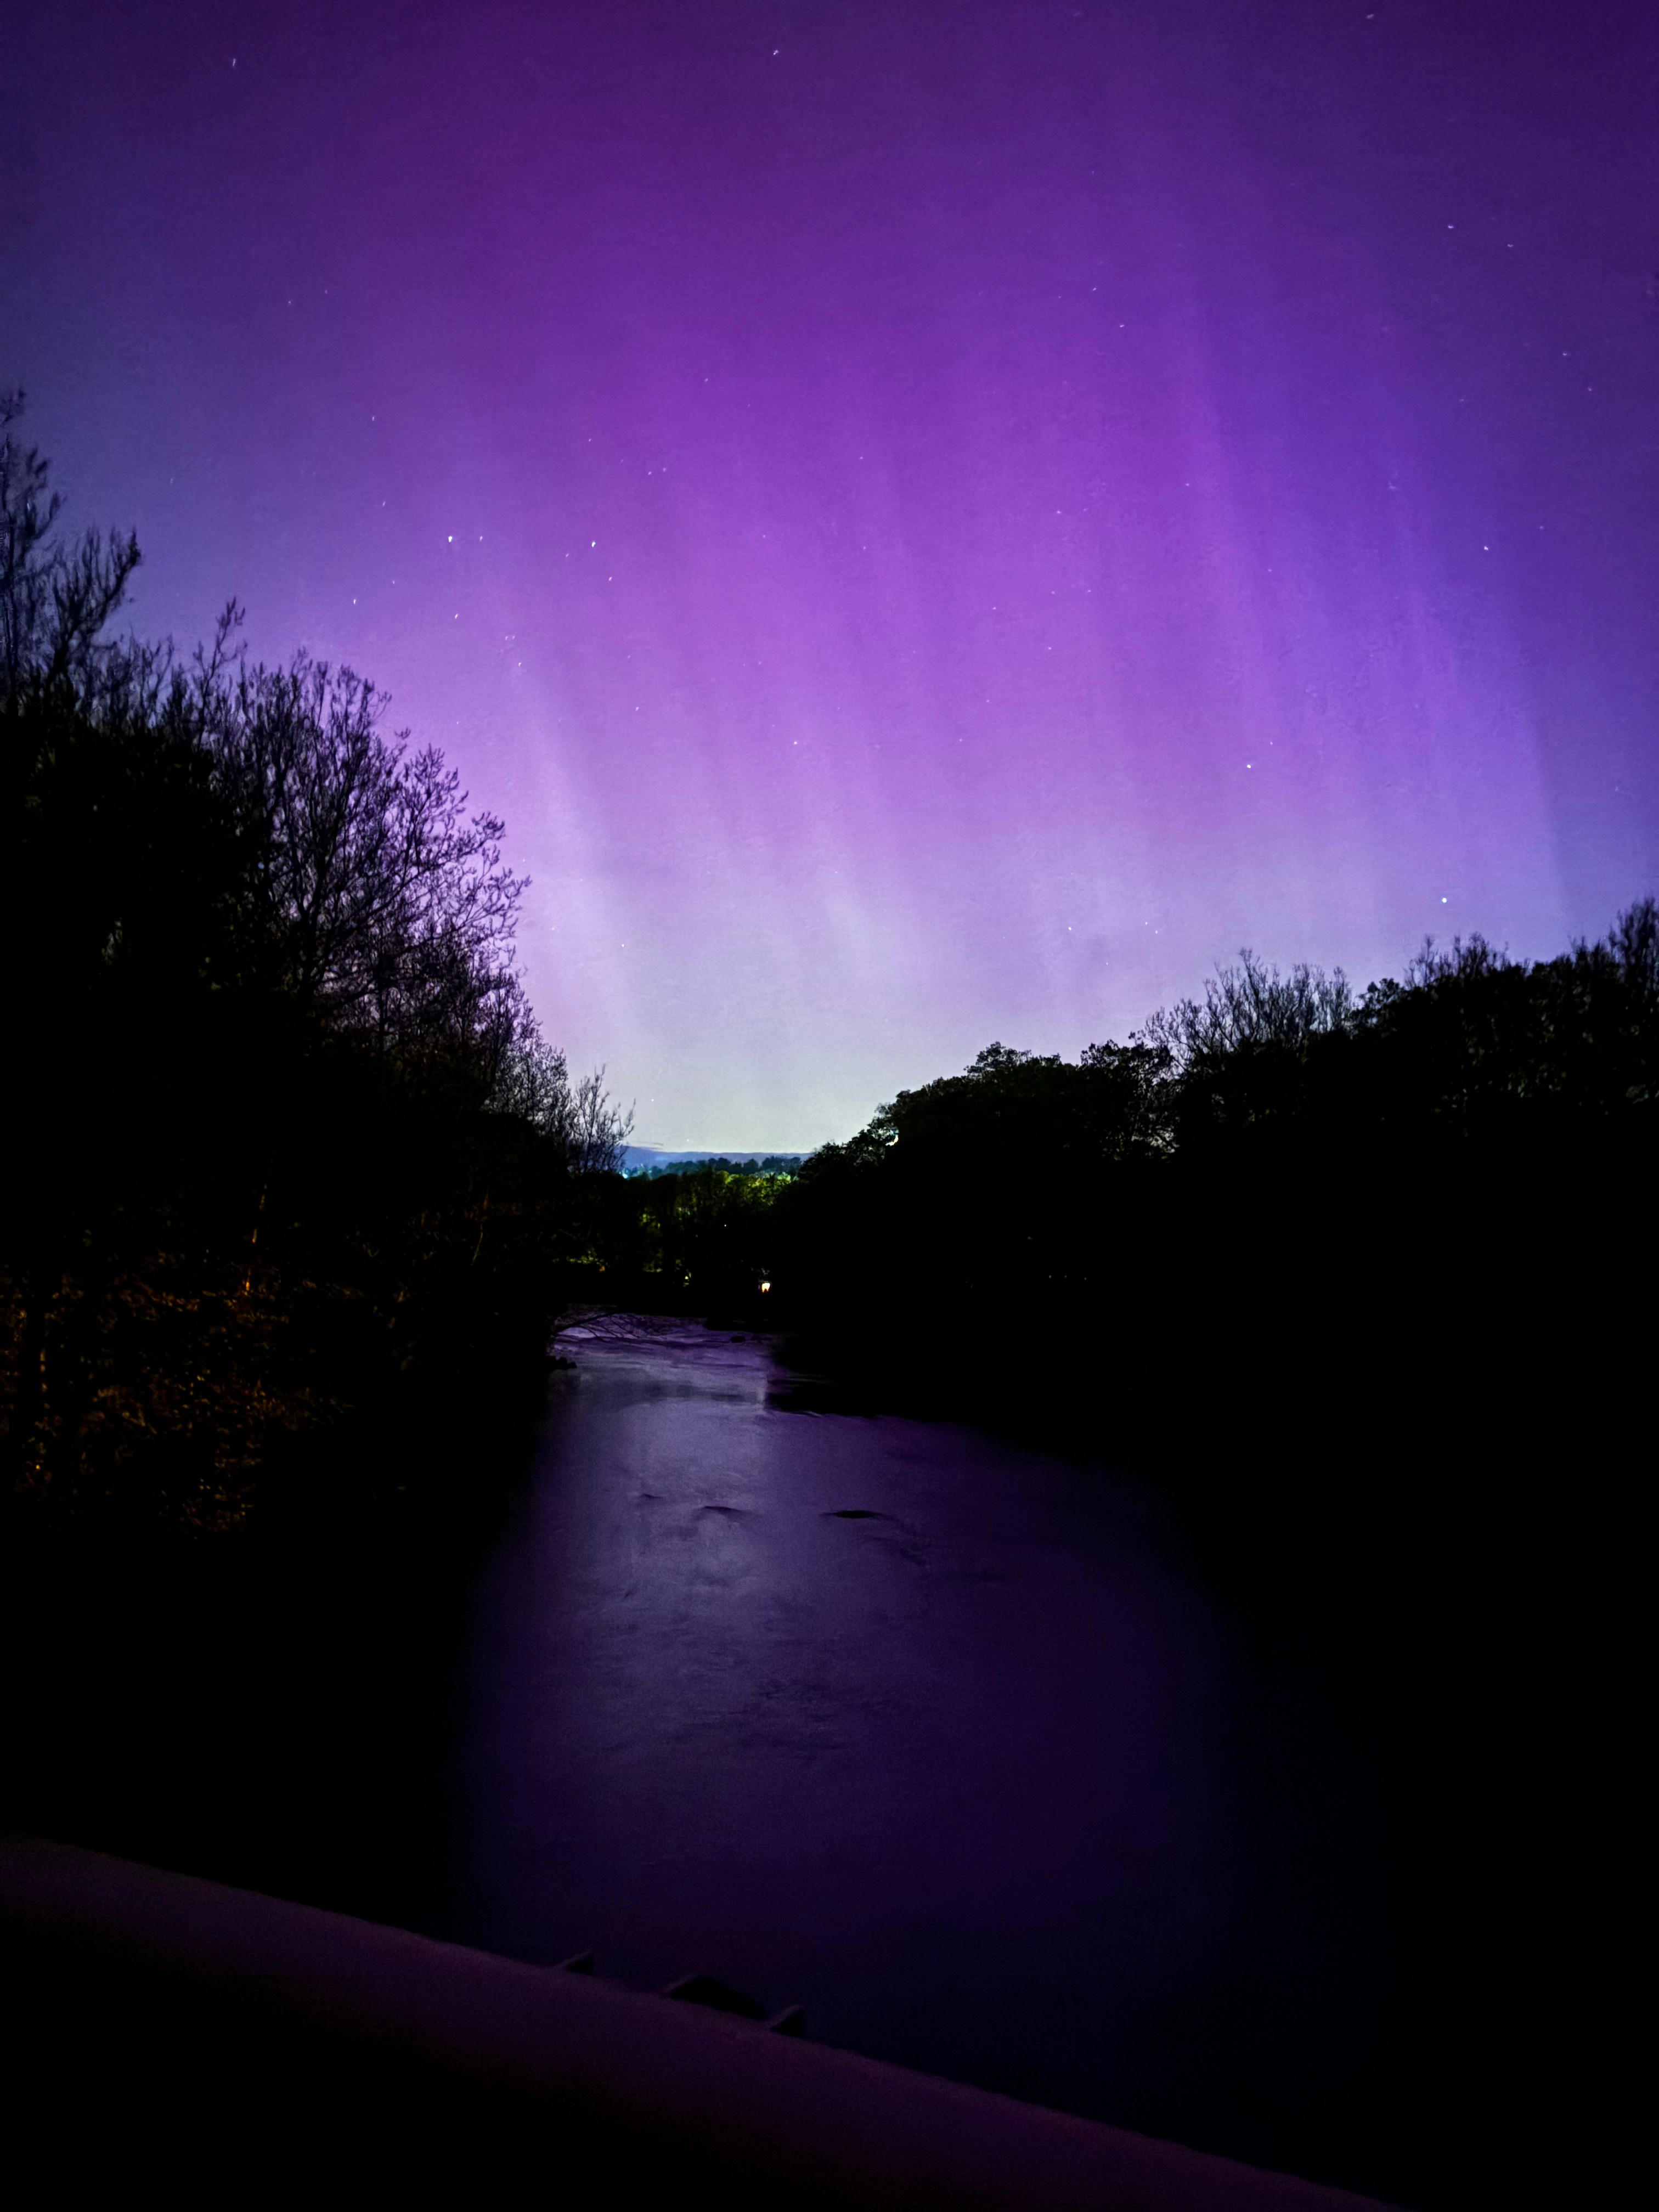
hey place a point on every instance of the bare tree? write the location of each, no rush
(388, 905)
(1463, 958)
(55, 600)
(1251, 1004)
(598, 1130)
(587, 1124)
(1633, 945)
(372, 892)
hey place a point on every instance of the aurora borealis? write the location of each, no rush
(932, 522)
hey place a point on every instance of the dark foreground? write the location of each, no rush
(235, 2043)
(291, 1716)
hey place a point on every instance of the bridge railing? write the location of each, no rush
(129, 1985)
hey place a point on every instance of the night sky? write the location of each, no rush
(933, 522)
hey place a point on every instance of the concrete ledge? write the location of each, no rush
(711, 2097)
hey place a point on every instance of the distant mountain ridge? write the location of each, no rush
(641, 1159)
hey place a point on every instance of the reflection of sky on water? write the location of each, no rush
(970, 1774)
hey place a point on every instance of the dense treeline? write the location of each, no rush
(693, 1242)
(1287, 1195)
(288, 1156)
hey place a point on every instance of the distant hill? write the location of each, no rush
(650, 1160)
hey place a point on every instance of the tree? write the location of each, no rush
(1250, 1007)
(263, 997)
(582, 1119)
(55, 601)
(384, 904)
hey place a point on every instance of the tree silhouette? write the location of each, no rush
(56, 601)
(293, 1157)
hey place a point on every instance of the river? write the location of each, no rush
(953, 1741)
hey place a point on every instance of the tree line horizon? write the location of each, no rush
(301, 1164)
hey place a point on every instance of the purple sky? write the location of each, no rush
(933, 522)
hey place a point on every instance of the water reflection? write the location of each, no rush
(936, 1735)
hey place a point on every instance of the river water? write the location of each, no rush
(953, 1741)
